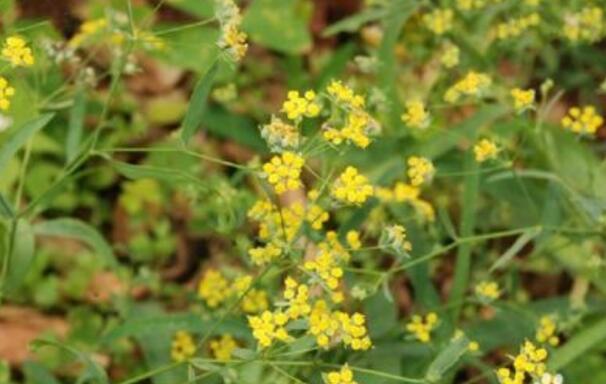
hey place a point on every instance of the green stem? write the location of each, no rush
(154, 372)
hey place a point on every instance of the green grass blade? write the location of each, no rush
(197, 104)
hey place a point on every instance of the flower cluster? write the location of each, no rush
(583, 120)
(182, 347)
(547, 331)
(515, 27)
(439, 21)
(16, 51)
(352, 187)
(485, 149)
(297, 106)
(269, 327)
(586, 25)
(280, 136)
(223, 347)
(450, 55)
(487, 291)
(420, 170)
(342, 376)
(87, 30)
(333, 327)
(355, 130)
(232, 39)
(421, 327)
(416, 116)
(522, 99)
(215, 289)
(345, 95)
(284, 171)
(6, 93)
(403, 192)
(530, 362)
(473, 84)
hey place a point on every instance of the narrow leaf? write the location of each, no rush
(354, 22)
(20, 137)
(76, 229)
(6, 209)
(446, 359)
(589, 337)
(516, 247)
(197, 104)
(22, 255)
(76, 123)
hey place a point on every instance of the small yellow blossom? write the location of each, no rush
(213, 288)
(223, 347)
(353, 240)
(183, 346)
(280, 135)
(316, 216)
(473, 84)
(331, 327)
(583, 120)
(397, 239)
(342, 376)
(439, 21)
(264, 255)
(297, 296)
(450, 55)
(522, 99)
(416, 115)
(357, 128)
(421, 328)
(16, 51)
(232, 39)
(487, 290)
(485, 149)
(297, 106)
(472, 346)
(515, 27)
(352, 187)
(345, 94)
(586, 25)
(6, 93)
(420, 170)
(547, 331)
(530, 362)
(269, 327)
(255, 301)
(86, 30)
(283, 172)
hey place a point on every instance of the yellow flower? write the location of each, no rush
(297, 106)
(583, 120)
(439, 21)
(182, 347)
(421, 328)
(255, 301)
(485, 149)
(86, 30)
(530, 362)
(283, 172)
(473, 84)
(420, 170)
(16, 51)
(353, 239)
(515, 27)
(213, 288)
(351, 187)
(487, 291)
(416, 115)
(269, 327)
(396, 238)
(342, 376)
(6, 93)
(473, 346)
(522, 99)
(450, 56)
(331, 327)
(264, 255)
(585, 25)
(280, 135)
(232, 39)
(297, 295)
(316, 216)
(356, 130)
(345, 94)
(223, 347)
(546, 333)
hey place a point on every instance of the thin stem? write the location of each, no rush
(154, 372)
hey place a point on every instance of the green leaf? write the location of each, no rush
(76, 229)
(20, 137)
(578, 345)
(354, 22)
(22, 256)
(136, 171)
(6, 208)
(92, 370)
(446, 359)
(278, 24)
(37, 373)
(197, 105)
(75, 125)
(516, 247)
